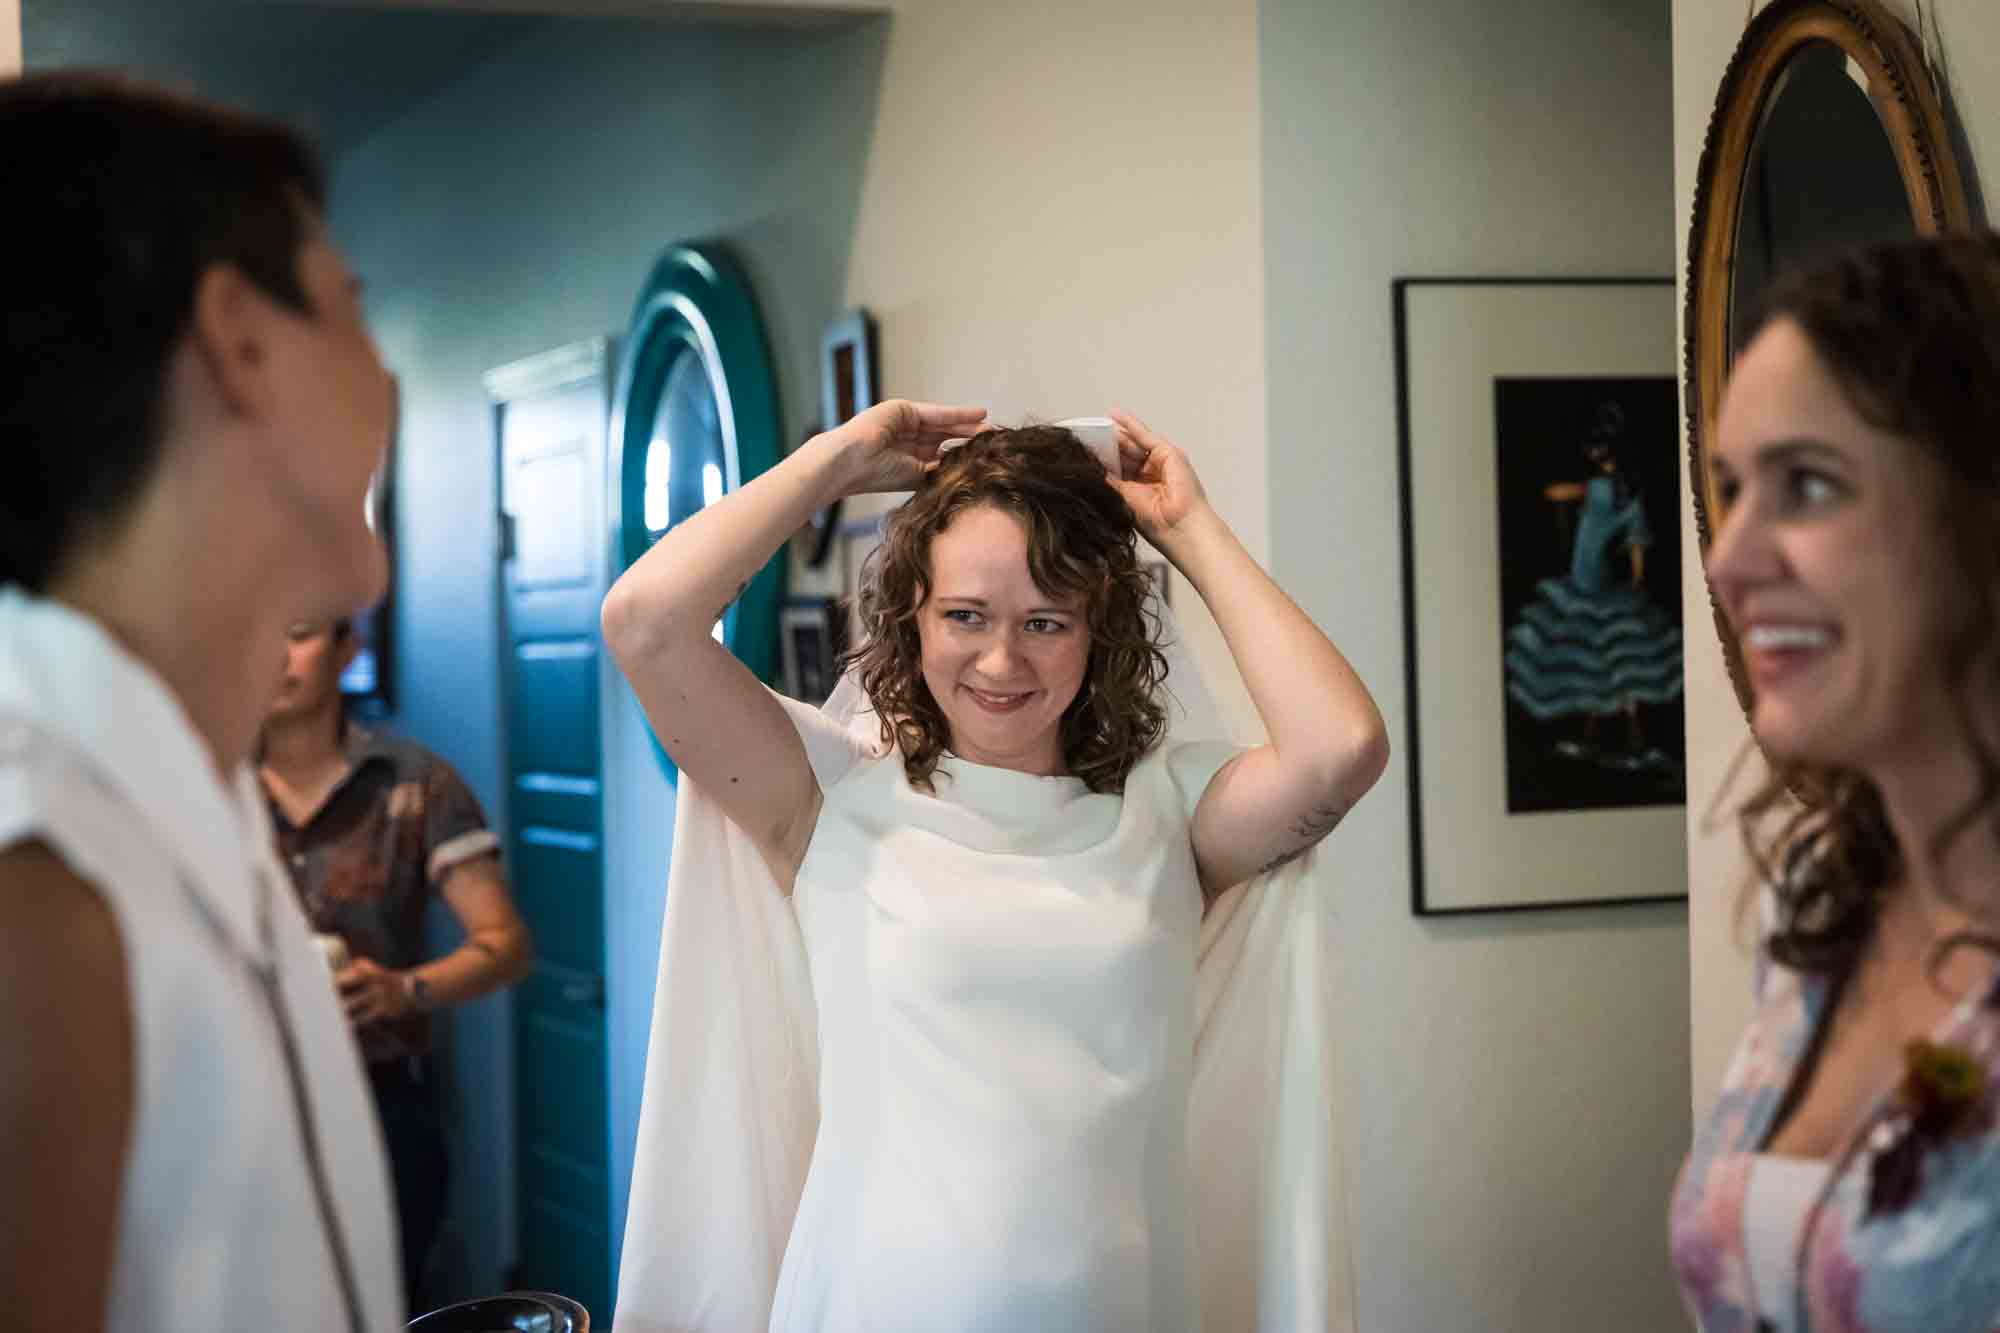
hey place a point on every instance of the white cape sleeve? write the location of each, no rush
(730, 1105)
(1263, 1119)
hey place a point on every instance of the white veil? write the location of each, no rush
(729, 1114)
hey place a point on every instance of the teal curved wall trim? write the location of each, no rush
(697, 301)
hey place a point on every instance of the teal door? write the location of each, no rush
(550, 418)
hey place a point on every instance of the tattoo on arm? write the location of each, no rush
(1321, 820)
(1308, 828)
(1281, 859)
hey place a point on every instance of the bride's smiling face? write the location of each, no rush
(1002, 657)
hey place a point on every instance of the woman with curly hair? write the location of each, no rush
(1848, 1177)
(998, 881)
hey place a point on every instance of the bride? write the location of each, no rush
(938, 1062)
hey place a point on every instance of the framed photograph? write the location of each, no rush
(367, 683)
(812, 634)
(847, 385)
(1539, 452)
(856, 542)
(813, 543)
(847, 368)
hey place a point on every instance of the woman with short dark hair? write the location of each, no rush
(191, 409)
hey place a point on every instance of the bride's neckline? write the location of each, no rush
(951, 761)
(964, 781)
(998, 809)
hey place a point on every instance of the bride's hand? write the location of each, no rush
(1158, 482)
(890, 446)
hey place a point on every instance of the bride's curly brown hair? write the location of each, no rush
(1082, 544)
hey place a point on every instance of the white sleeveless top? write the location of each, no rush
(1005, 979)
(219, 1226)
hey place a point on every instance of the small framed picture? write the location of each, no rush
(813, 543)
(812, 634)
(848, 381)
(857, 540)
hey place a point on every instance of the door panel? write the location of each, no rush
(552, 712)
(551, 418)
(558, 872)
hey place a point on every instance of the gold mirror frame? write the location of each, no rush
(1912, 117)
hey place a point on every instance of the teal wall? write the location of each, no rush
(519, 210)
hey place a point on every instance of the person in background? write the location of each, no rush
(190, 411)
(373, 829)
(1848, 1177)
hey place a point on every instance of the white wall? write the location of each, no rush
(1061, 215)
(1967, 32)
(1516, 1089)
(1705, 34)
(10, 37)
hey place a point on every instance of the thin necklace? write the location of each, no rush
(265, 973)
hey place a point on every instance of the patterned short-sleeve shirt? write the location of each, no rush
(367, 863)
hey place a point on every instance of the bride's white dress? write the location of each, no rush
(1004, 973)
(988, 1067)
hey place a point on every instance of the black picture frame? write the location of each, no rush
(1455, 340)
(813, 543)
(812, 635)
(849, 381)
(849, 378)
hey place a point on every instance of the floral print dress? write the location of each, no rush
(1904, 1236)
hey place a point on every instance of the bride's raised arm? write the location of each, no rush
(1327, 742)
(710, 713)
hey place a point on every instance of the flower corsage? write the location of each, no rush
(1942, 1097)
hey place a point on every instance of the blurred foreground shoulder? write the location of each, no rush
(66, 1092)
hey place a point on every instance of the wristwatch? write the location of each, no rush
(417, 991)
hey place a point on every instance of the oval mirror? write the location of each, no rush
(686, 459)
(1827, 131)
(695, 416)
(1822, 175)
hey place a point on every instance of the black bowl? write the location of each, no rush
(514, 1312)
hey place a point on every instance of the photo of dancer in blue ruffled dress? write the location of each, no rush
(1590, 593)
